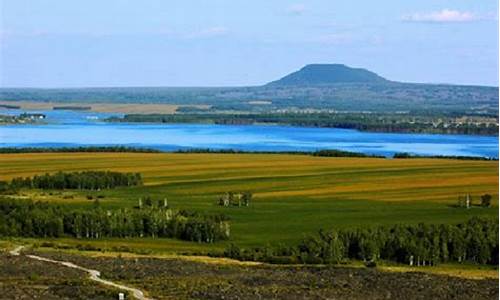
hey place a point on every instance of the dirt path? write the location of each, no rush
(94, 274)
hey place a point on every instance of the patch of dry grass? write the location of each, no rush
(126, 108)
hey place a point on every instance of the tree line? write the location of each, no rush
(341, 153)
(374, 122)
(25, 218)
(467, 201)
(85, 180)
(77, 149)
(322, 152)
(475, 240)
(235, 199)
(460, 157)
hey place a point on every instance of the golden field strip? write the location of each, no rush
(126, 108)
(293, 194)
(294, 175)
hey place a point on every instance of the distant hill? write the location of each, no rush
(323, 74)
(317, 86)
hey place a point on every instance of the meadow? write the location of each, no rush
(293, 195)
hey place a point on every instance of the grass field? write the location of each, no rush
(293, 194)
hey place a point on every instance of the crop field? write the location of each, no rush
(143, 108)
(293, 195)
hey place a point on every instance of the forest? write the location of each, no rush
(85, 180)
(374, 122)
(25, 218)
(393, 97)
(475, 240)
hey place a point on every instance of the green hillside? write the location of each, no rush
(323, 74)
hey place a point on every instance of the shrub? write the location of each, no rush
(486, 200)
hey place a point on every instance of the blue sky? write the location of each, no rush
(61, 43)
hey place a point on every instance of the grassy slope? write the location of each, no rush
(293, 194)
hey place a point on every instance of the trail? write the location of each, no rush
(94, 274)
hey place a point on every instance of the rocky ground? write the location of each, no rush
(24, 278)
(181, 279)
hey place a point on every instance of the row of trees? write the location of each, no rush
(466, 201)
(37, 219)
(341, 153)
(77, 149)
(235, 199)
(375, 122)
(459, 157)
(86, 180)
(418, 245)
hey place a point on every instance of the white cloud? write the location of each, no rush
(209, 32)
(443, 16)
(296, 9)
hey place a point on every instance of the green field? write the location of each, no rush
(293, 195)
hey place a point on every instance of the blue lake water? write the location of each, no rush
(69, 128)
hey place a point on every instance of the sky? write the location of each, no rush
(94, 43)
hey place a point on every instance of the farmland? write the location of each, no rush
(293, 195)
(142, 108)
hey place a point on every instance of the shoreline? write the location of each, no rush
(148, 113)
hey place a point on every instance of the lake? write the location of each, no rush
(72, 128)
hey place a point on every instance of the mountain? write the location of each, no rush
(324, 74)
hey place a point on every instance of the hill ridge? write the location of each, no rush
(323, 74)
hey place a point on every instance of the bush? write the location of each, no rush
(282, 260)
(232, 251)
(47, 244)
(370, 264)
(310, 259)
(87, 247)
(486, 200)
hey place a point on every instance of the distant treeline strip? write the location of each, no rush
(459, 157)
(359, 121)
(71, 108)
(323, 152)
(86, 180)
(77, 149)
(475, 240)
(10, 106)
(24, 218)
(332, 153)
